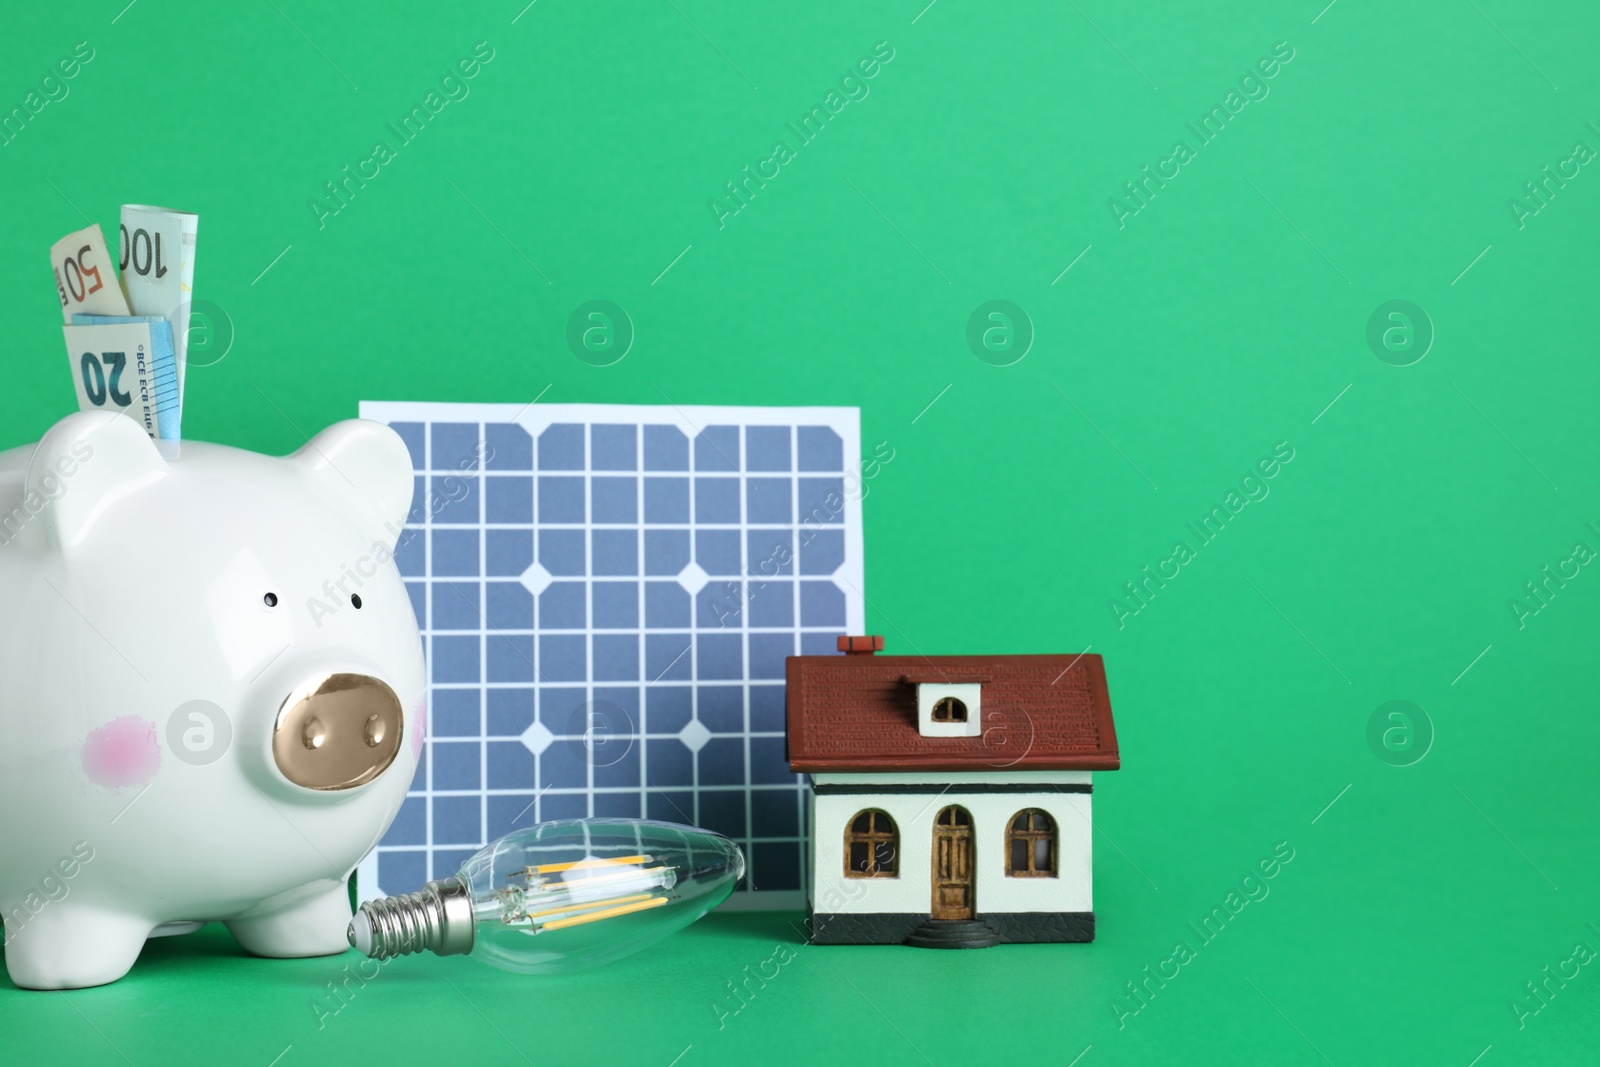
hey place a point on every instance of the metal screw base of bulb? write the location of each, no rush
(436, 919)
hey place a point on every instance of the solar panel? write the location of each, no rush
(606, 595)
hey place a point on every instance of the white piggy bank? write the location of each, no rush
(211, 690)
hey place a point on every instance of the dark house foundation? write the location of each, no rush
(892, 928)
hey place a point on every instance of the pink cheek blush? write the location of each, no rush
(419, 732)
(124, 752)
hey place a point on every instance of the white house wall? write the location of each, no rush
(911, 890)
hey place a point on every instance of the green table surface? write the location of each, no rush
(1172, 348)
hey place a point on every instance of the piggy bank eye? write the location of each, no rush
(270, 600)
(355, 601)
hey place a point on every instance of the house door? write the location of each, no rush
(952, 864)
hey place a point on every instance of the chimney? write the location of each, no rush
(860, 646)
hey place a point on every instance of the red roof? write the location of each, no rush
(1038, 713)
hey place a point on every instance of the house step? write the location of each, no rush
(953, 933)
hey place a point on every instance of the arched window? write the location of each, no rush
(1031, 845)
(871, 846)
(949, 709)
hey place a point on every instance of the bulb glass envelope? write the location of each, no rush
(570, 894)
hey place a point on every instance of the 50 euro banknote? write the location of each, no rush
(86, 281)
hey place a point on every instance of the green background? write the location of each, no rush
(1224, 317)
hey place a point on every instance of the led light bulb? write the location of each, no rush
(559, 896)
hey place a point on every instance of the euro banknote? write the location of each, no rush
(128, 364)
(85, 278)
(157, 263)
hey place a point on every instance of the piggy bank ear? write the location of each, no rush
(82, 466)
(364, 468)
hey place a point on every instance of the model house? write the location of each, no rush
(951, 794)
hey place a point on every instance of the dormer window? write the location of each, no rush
(948, 706)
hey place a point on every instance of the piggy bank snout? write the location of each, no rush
(337, 731)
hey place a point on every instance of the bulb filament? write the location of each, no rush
(554, 896)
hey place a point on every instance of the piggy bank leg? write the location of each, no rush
(308, 921)
(70, 946)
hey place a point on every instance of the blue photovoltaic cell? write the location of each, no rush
(607, 596)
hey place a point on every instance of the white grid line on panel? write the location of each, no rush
(427, 538)
(639, 605)
(751, 863)
(794, 607)
(483, 632)
(588, 599)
